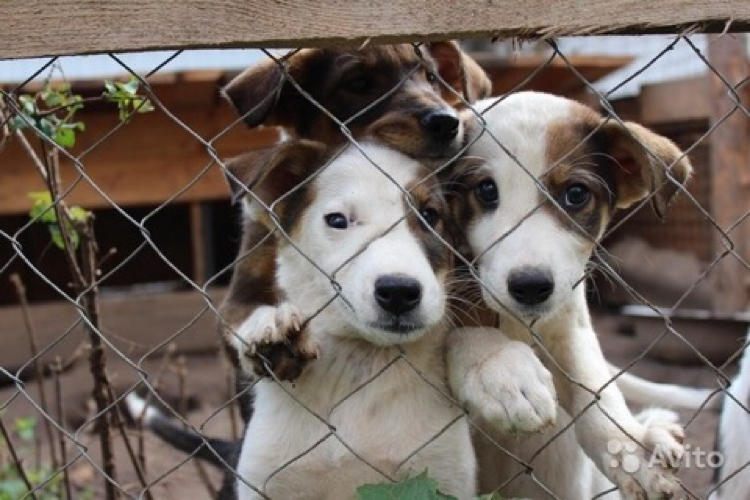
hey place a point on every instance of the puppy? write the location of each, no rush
(369, 278)
(391, 93)
(531, 252)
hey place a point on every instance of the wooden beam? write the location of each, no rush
(556, 77)
(729, 158)
(148, 160)
(676, 101)
(33, 28)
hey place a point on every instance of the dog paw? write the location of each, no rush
(273, 339)
(647, 471)
(514, 391)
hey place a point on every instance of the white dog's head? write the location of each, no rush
(350, 228)
(531, 252)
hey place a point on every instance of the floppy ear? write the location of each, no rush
(272, 172)
(460, 71)
(259, 95)
(642, 159)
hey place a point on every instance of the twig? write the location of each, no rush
(16, 459)
(57, 369)
(54, 110)
(182, 409)
(119, 422)
(97, 360)
(36, 365)
(52, 167)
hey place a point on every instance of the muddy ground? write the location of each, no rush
(199, 380)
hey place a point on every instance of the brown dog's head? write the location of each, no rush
(385, 92)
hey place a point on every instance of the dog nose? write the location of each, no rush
(397, 294)
(531, 286)
(440, 125)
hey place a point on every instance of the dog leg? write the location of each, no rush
(506, 385)
(273, 338)
(638, 457)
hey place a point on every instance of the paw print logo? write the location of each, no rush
(624, 456)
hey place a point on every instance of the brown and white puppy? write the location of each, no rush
(531, 251)
(389, 93)
(370, 277)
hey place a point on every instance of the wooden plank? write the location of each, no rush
(556, 77)
(676, 101)
(158, 317)
(729, 157)
(33, 28)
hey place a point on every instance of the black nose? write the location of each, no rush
(440, 125)
(531, 285)
(397, 294)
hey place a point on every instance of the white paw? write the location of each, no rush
(647, 471)
(273, 337)
(513, 390)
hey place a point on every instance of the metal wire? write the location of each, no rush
(727, 250)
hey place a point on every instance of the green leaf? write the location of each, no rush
(18, 123)
(53, 99)
(47, 127)
(65, 137)
(145, 106)
(42, 207)
(131, 87)
(109, 87)
(420, 487)
(56, 235)
(27, 104)
(78, 214)
(12, 488)
(25, 428)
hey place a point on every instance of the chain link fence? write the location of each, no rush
(92, 448)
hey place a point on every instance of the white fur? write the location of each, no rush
(138, 408)
(734, 436)
(289, 450)
(678, 397)
(577, 464)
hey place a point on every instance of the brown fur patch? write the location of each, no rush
(390, 82)
(576, 154)
(428, 195)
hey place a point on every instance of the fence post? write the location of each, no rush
(730, 158)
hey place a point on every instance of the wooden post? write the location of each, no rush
(197, 243)
(729, 161)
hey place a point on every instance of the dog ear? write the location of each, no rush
(272, 172)
(460, 71)
(643, 158)
(262, 96)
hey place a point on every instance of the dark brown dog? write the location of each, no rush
(392, 93)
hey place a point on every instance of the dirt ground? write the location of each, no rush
(201, 381)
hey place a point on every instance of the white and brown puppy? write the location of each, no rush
(531, 251)
(367, 279)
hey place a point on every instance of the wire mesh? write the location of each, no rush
(67, 459)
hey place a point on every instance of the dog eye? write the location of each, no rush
(430, 216)
(430, 76)
(337, 220)
(576, 196)
(358, 84)
(486, 192)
